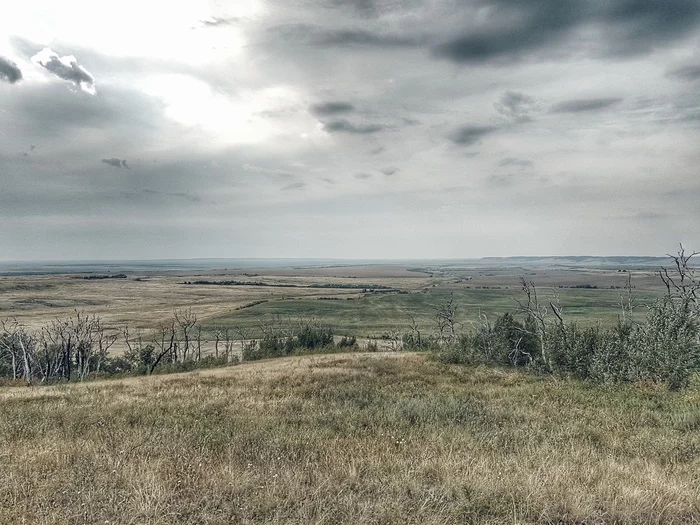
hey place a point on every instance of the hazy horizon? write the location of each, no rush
(366, 129)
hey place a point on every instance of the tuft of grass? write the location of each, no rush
(349, 438)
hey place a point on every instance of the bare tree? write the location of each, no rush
(628, 302)
(19, 343)
(445, 321)
(684, 284)
(538, 312)
(393, 341)
(415, 332)
(164, 340)
(185, 320)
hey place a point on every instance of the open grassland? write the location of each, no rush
(375, 314)
(144, 301)
(355, 438)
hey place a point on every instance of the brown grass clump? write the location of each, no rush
(357, 438)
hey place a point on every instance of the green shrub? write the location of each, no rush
(311, 335)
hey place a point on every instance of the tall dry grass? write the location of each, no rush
(374, 438)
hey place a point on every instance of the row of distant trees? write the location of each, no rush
(81, 346)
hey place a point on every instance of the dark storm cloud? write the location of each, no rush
(517, 107)
(117, 163)
(514, 28)
(688, 72)
(331, 108)
(320, 37)
(344, 126)
(584, 104)
(468, 135)
(66, 68)
(389, 170)
(9, 72)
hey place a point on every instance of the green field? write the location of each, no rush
(377, 314)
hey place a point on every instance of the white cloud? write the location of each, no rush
(66, 68)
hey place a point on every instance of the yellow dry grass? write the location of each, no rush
(356, 438)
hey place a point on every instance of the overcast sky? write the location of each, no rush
(348, 128)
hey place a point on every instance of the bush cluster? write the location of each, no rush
(664, 348)
(304, 338)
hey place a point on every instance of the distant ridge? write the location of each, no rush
(582, 260)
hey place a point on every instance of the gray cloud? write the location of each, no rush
(584, 104)
(66, 68)
(268, 171)
(365, 8)
(363, 176)
(520, 163)
(60, 203)
(9, 72)
(331, 108)
(117, 163)
(517, 107)
(512, 29)
(344, 126)
(468, 135)
(218, 22)
(501, 179)
(316, 36)
(389, 170)
(687, 72)
(178, 194)
(294, 186)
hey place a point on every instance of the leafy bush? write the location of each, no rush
(312, 335)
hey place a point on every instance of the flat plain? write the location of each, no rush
(362, 299)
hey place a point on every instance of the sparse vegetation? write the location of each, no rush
(370, 438)
(665, 348)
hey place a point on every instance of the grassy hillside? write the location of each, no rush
(373, 438)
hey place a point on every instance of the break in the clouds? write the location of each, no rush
(117, 163)
(66, 68)
(9, 72)
(348, 128)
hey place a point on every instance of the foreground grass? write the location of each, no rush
(374, 438)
